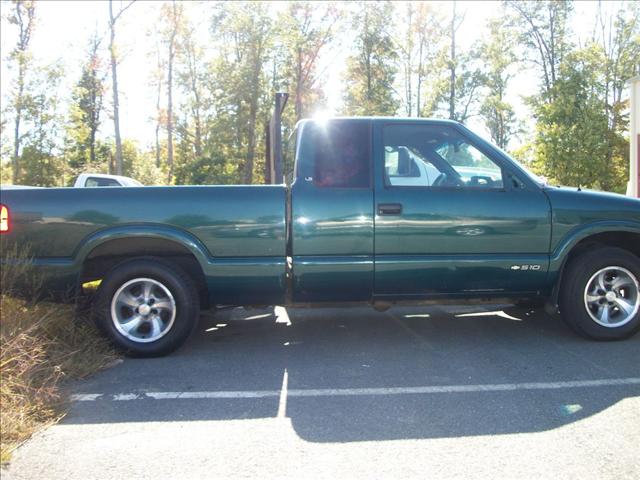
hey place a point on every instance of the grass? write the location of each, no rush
(42, 347)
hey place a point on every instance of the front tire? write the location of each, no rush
(147, 307)
(600, 294)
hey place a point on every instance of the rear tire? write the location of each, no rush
(599, 295)
(147, 307)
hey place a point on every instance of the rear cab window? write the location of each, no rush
(101, 182)
(341, 155)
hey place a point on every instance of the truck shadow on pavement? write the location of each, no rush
(331, 350)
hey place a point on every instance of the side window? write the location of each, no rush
(436, 156)
(341, 154)
(101, 182)
(404, 167)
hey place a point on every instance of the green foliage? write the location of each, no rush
(305, 31)
(581, 117)
(543, 31)
(40, 161)
(455, 89)
(41, 168)
(572, 144)
(371, 71)
(83, 150)
(403, 57)
(499, 57)
(245, 34)
(141, 165)
(421, 45)
(6, 173)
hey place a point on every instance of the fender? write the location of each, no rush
(558, 257)
(185, 239)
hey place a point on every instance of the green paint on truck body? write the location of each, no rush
(446, 242)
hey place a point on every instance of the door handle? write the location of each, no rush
(389, 209)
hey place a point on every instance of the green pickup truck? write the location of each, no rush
(376, 211)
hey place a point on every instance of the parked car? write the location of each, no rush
(6, 186)
(90, 180)
(104, 180)
(345, 231)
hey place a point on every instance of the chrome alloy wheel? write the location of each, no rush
(143, 310)
(612, 297)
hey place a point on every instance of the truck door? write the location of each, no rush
(474, 228)
(332, 212)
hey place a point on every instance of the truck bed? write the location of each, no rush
(239, 229)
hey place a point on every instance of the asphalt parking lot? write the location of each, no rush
(414, 392)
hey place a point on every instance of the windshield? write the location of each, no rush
(541, 181)
(536, 178)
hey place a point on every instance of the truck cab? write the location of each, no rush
(388, 210)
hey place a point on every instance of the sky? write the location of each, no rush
(64, 27)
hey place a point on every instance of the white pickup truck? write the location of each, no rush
(85, 180)
(104, 180)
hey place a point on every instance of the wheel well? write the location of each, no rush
(626, 240)
(107, 255)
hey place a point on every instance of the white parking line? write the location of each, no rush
(284, 393)
(350, 392)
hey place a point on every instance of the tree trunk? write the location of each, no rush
(408, 63)
(452, 66)
(160, 78)
(170, 96)
(92, 146)
(193, 71)
(419, 81)
(158, 126)
(26, 27)
(114, 84)
(298, 103)
(16, 138)
(247, 173)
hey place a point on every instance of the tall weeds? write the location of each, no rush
(42, 346)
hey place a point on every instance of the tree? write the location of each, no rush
(244, 36)
(114, 80)
(141, 165)
(372, 69)
(580, 110)
(173, 14)
(157, 82)
(497, 52)
(41, 163)
(543, 30)
(306, 31)
(86, 111)
(619, 45)
(464, 76)
(193, 79)
(455, 24)
(23, 17)
(456, 77)
(421, 51)
(571, 142)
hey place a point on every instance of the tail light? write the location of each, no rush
(5, 219)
